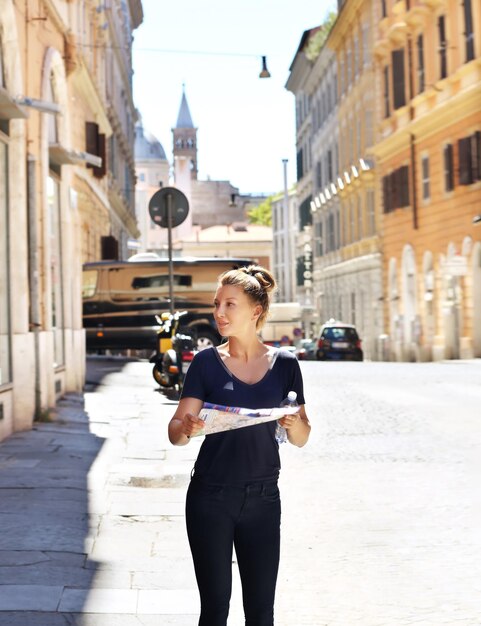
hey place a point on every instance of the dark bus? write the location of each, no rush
(121, 299)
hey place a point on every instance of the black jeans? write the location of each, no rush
(248, 518)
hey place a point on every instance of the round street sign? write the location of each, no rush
(158, 206)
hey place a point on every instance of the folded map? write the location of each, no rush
(219, 418)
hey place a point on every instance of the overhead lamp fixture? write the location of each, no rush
(340, 183)
(264, 72)
(327, 193)
(354, 171)
(322, 197)
(313, 207)
(347, 178)
(333, 189)
(43, 106)
(317, 202)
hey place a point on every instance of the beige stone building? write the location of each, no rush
(240, 240)
(66, 185)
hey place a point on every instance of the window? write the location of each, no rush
(300, 165)
(305, 215)
(5, 333)
(399, 91)
(331, 233)
(319, 239)
(387, 104)
(371, 215)
(443, 47)
(366, 48)
(420, 69)
(95, 144)
(329, 166)
(448, 167)
(396, 189)
(356, 57)
(468, 30)
(319, 175)
(2, 72)
(425, 178)
(359, 218)
(55, 267)
(142, 177)
(469, 149)
(353, 221)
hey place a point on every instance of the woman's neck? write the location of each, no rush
(245, 349)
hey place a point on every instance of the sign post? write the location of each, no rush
(168, 208)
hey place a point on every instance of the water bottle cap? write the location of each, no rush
(292, 395)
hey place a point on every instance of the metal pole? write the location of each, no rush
(287, 240)
(33, 262)
(171, 263)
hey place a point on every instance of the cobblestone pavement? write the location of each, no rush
(381, 510)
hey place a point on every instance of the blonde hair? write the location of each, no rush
(256, 282)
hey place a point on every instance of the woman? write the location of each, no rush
(233, 498)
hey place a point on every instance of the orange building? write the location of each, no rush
(428, 159)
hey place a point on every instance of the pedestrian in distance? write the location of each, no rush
(233, 498)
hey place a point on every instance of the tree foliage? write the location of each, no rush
(262, 213)
(315, 43)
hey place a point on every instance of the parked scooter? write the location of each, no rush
(174, 351)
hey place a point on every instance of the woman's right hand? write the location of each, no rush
(192, 425)
(184, 423)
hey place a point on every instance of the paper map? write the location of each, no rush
(219, 418)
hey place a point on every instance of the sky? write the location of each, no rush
(246, 125)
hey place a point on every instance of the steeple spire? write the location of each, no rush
(184, 120)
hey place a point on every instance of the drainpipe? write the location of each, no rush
(412, 138)
(33, 265)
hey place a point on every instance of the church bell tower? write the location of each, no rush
(185, 137)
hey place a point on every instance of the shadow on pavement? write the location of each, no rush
(45, 521)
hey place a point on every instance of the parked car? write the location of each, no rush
(306, 350)
(339, 341)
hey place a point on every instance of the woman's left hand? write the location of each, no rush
(288, 421)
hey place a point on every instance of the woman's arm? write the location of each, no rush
(185, 423)
(297, 427)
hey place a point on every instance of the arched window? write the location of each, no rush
(5, 337)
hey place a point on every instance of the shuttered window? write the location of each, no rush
(300, 165)
(420, 68)
(469, 150)
(443, 47)
(387, 104)
(396, 189)
(96, 145)
(448, 167)
(305, 216)
(398, 79)
(468, 30)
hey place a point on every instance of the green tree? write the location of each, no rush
(316, 41)
(262, 213)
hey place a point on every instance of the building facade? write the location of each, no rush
(335, 109)
(56, 192)
(284, 237)
(429, 162)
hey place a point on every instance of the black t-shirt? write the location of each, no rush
(249, 454)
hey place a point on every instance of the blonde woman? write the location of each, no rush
(233, 498)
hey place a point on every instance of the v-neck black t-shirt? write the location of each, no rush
(250, 454)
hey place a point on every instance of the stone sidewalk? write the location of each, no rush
(92, 514)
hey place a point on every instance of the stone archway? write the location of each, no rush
(476, 268)
(409, 301)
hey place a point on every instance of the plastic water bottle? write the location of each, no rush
(291, 400)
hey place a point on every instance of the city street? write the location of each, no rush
(381, 510)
